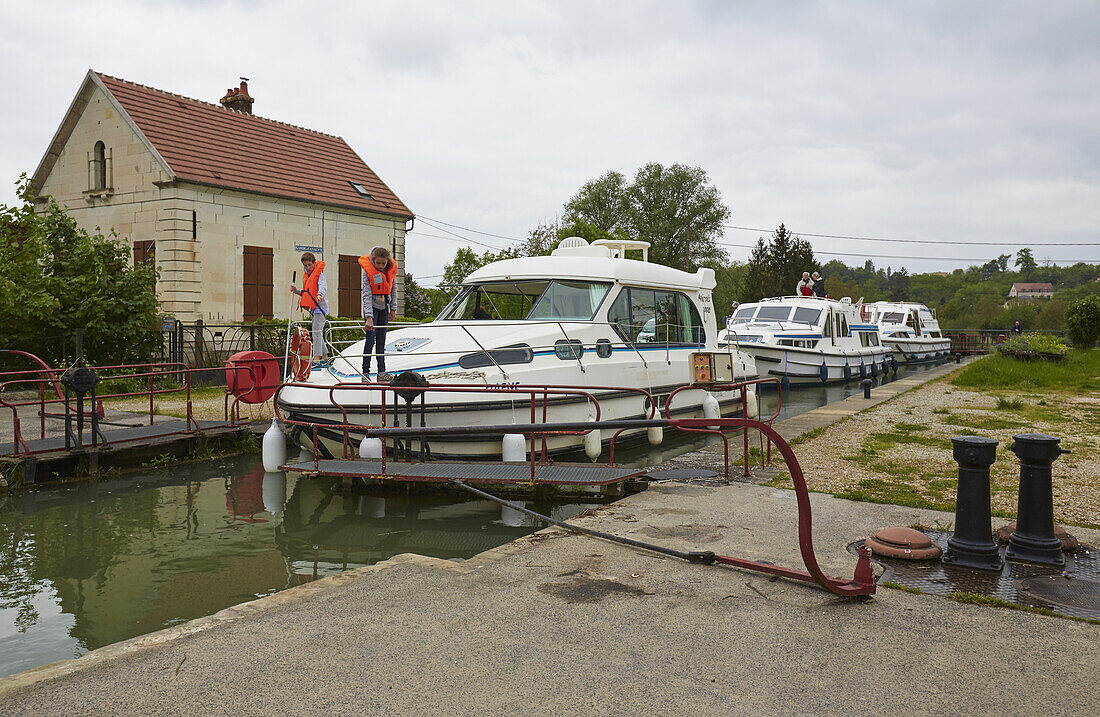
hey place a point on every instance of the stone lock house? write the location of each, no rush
(1041, 290)
(224, 202)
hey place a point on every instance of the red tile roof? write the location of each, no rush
(209, 144)
(1043, 286)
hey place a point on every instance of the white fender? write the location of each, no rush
(711, 409)
(274, 448)
(513, 448)
(655, 434)
(752, 404)
(370, 447)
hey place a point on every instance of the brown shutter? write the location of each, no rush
(145, 253)
(350, 287)
(258, 282)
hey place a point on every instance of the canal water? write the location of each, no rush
(96, 562)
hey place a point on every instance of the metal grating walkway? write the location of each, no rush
(116, 436)
(499, 473)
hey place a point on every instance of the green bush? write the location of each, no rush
(1034, 345)
(1083, 322)
(56, 278)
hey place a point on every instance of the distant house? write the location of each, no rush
(1031, 291)
(223, 201)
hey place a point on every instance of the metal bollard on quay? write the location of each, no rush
(1034, 540)
(972, 544)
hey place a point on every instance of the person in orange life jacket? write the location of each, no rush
(379, 272)
(314, 293)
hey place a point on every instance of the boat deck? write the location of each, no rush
(560, 474)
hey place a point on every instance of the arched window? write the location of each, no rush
(99, 166)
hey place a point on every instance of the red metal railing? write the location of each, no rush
(47, 377)
(535, 396)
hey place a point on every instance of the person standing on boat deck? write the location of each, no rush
(314, 293)
(805, 287)
(379, 271)
(819, 286)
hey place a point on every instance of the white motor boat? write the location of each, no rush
(585, 319)
(909, 329)
(806, 339)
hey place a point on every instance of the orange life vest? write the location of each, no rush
(381, 282)
(309, 287)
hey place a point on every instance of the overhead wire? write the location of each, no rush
(915, 241)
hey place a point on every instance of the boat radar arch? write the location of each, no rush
(619, 247)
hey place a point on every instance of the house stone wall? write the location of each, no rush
(200, 232)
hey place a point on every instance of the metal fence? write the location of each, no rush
(202, 345)
(981, 341)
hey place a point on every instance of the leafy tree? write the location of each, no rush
(1025, 263)
(776, 266)
(1083, 322)
(679, 214)
(418, 302)
(55, 278)
(603, 203)
(465, 263)
(673, 208)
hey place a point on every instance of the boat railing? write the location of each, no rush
(143, 380)
(537, 398)
(338, 345)
(537, 431)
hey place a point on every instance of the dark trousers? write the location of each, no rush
(376, 341)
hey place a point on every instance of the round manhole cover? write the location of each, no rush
(681, 474)
(1074, 592)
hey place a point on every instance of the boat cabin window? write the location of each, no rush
(868, 338)
(540, 299)
(841, 325)
(569, 300)
(893, 317)
(516, 353)
(647, 316)
(773, 313)
(806, 315)
(743, 315)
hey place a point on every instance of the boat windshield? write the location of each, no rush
(536, 299)
(806, 315)
(742, 315)
(769, 314)
(893, 317)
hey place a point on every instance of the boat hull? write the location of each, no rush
(812, 366)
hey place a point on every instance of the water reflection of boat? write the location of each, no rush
(322, 532)
(585, 316)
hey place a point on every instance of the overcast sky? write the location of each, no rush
(927, 121)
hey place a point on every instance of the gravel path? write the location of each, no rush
(901, 448)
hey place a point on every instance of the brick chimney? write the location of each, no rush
(238, 98)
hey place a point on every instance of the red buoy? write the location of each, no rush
(252, 376)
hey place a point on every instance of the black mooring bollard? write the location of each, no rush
(866, 383)
(972, 545)
(1034, 539)
(958, 358)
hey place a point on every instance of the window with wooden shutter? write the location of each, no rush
(350, 287)
(145, 253)
(258, 282)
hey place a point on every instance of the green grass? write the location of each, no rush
(903, 588)
(984, 423)
(989, 600)
(1079, 371)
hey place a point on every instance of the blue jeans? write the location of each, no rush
(376, 341)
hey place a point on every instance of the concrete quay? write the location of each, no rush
(565, 624)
